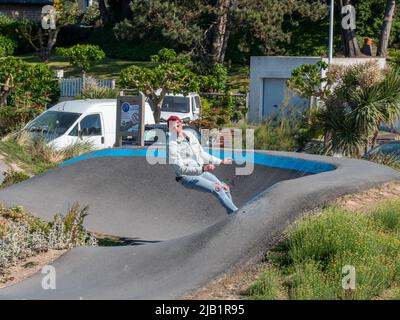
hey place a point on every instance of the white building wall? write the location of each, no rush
(268, 73)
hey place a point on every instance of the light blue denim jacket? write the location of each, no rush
(188, 157)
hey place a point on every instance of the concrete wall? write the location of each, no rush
(265, 70)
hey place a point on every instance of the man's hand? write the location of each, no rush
(227, 161)
(208, 167)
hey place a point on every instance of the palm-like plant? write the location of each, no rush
(356, 101)
(357, 107)
(376, 104)
(340, 132)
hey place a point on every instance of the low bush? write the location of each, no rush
(28, 86)
(8, 27)
(23, 236)
(91, 90)
(7, 46)
(82, 56)
(12, 177)
(14, 118)
(309, 263)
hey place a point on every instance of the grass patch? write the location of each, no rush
(36, 155)
(107, 68)
(12, 177)
(269, 136)
(239, 78)
(309, 263)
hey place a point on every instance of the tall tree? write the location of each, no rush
(205, 26)
(386, 27)
(104, 14)
(170, 76)
(221, 32)
(351, 46)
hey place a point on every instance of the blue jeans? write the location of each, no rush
(206, 181)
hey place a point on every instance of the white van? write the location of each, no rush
(89, 120)
(185, 107)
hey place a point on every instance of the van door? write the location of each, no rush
(91, 129)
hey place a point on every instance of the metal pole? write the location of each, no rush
(331, 23)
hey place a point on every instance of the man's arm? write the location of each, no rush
(208, 158)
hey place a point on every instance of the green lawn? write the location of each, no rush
(106, 69)
(239, 78)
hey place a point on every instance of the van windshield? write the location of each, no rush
(52, 124)
(176, 104)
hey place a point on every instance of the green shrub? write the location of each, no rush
(394, 56)
(23, 236)
(13, 118)
(269, 137)
(29, 85)
(8, 27)
(12, 177)
(82, 56)
(215, 80)
(7, 46)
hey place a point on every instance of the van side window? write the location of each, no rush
(74, 131)
(198, 103)
(193, 105)
(91, 125)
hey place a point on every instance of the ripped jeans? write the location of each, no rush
(206, 181)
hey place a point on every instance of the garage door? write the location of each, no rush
(274, 95)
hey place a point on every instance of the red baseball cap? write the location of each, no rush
(173, 118)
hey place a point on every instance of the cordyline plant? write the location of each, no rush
(356, 100)
(171, 75)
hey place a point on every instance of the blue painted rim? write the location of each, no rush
(259, 158)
